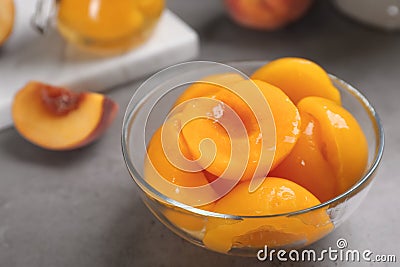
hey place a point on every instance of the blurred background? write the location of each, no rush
(80, 208)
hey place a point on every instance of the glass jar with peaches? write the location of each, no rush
(101, 26)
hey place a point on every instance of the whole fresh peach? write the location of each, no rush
(7, 11)
(266, 14)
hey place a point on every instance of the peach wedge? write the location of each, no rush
(286, 121)
(56, 118)
(298, 78)
(274, 196)
(6, 19)
(208, 85)
(306, 164)
(343, 143)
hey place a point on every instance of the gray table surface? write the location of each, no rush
(81, 208)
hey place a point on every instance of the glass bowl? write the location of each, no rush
(147, 110)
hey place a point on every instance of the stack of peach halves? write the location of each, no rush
(320, 149)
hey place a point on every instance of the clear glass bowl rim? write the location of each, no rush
(141, 182)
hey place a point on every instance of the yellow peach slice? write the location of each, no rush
(6, 19)
(157, 162)
(274, 196)
(287, 120)
(298, 78)
(58, 119)
(306, 165)
(158, 166)
(343, 142)
(208, 86)
(200, 129)
(284, 113)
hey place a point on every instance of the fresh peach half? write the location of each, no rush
(6, 19)
(298, 78)
(56, 118)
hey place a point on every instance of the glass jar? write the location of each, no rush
(101, 26)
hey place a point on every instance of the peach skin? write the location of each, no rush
(343, 143)
(56, 118)
(267, 14)
(298, 78)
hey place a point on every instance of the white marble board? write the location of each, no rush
(29, 56)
